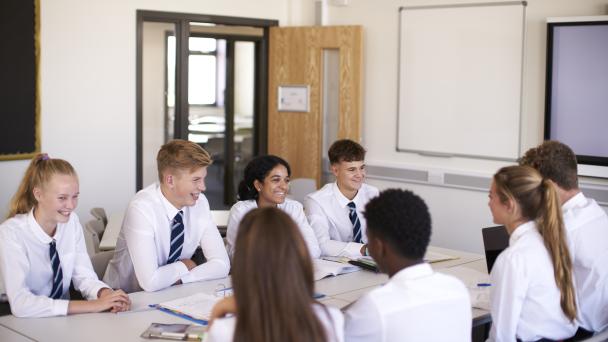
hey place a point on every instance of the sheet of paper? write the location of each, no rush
(324, 268)
(432, 257)
(196, 306)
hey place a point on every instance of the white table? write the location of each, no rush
(339, 291)
(7, 335)
(110, 235)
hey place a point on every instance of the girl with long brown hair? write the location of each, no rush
(272, 277)
(532, 295)
(42, 247)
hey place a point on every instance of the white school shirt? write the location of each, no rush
(524, 298)
(327, 211)
(144, 243)
(292, 208)
(26, 268)
(587, 227)
(222, 329)
(417, 304)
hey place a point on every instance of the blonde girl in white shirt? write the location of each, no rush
(532, 294)
(265, 184)
(42, 247)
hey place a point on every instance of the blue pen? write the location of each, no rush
(483, 284)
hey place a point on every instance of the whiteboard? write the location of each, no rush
(460, 79)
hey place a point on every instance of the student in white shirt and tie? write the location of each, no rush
(165, 223)
(586, 225)
(416, 304)
(335, 210)
(272, 277)
(532, 295)
(265, 184)
(42, 247)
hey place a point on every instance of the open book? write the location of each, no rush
(432, 257)
(326, 268)
(196, 308)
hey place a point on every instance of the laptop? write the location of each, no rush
(495, 240)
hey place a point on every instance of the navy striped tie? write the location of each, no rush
(177, 237)
(354, 219)
(57, 290)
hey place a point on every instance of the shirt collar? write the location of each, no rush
(577, 200)
(342, 200)
(413, 272)
(520, 231)
(170, 210)
(37, 230)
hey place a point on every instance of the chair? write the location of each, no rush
(300, 187)
(91, 237)
(98, 227)
(100, 262)
(100, 214)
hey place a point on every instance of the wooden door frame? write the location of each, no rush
(295, 49)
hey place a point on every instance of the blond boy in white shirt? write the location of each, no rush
(165, 223)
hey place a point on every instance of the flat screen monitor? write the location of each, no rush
(576, 104)
(495, 240)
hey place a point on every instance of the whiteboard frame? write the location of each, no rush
(399, 48)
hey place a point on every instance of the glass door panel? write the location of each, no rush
(158, 98)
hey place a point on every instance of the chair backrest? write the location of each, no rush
(100, 262)
(98, 227)
(91, 238)
(100, 214)
(300, 187)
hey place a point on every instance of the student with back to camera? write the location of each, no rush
(272, 278)
(42, 247)
(532, 295)
(265, 184)
(417, 303)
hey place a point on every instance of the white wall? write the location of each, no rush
(457, 214)
(88, 89)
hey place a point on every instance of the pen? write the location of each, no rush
(483, 284)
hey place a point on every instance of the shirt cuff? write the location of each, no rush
(352, 249)
(60, 307)
(183, 273)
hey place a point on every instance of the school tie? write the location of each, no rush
(57, 290)
(354, 219)
(177, 237)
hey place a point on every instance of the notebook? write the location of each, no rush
(196, 308)
(495, 240)
(326, 268)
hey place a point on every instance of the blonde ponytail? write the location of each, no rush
(551, 227)
(38, 173)
(539, 201)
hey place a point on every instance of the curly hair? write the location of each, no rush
(402, 219)
(555, 161)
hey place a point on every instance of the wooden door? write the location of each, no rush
(295, 58)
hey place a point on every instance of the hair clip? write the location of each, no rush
(45, 156)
